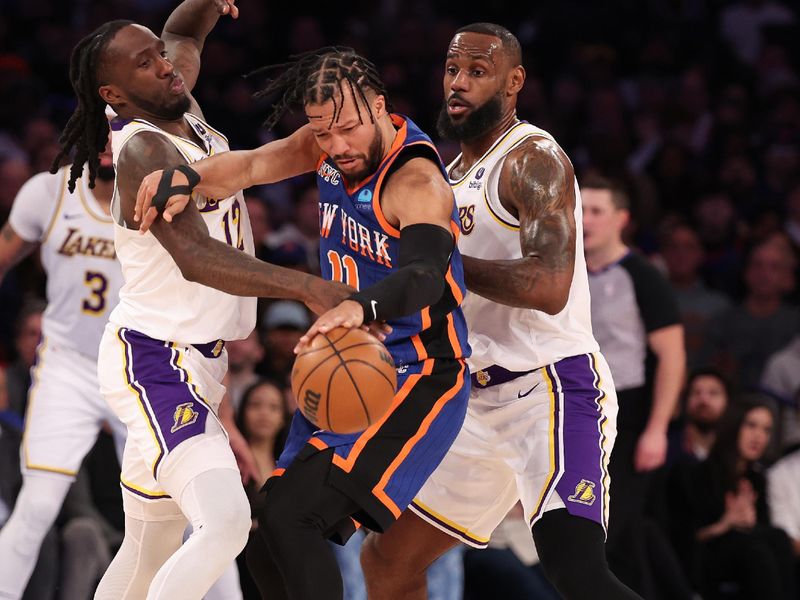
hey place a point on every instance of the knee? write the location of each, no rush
(230, 527)
(374, 562)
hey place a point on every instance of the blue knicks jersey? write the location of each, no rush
(359, 247)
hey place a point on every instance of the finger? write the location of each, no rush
(149, 218)
(137, 209)
(147, 200)
(234, 10)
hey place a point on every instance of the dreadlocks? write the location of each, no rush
(87, 128)
(318, 76)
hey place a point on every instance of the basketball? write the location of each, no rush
(345, 381)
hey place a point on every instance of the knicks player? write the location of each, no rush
(72, 227)
(162, 357)
(542, 411)
(388, 228)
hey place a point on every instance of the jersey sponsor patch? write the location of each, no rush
(584, 493)
(184, 415)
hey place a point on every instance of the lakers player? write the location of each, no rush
(74, 232)
(541, 419)
(162, 357)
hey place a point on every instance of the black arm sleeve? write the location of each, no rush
(425, 251)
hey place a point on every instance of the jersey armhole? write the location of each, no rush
(57, 209)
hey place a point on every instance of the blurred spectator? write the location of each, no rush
(284, 322)
(781, 380)
(698, 304)
(259, 221)
(635, 321)
(720, 516)
(742, 24)
(27, 338)
(303, 229)
(783, 487)
(744, 336)
(243, 356)
(793, 214)
(706, 399)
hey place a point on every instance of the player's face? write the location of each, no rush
(476, 77)
(140, 78)
(351, 138)
(263, 415)
(706, 401)
(602, 221)
(755, 433)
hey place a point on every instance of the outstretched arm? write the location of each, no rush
(185, 33)
(229, 172)
(536, 183)
(203, 259)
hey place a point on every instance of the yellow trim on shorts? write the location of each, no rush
(29, 410)
(140, 398)
(604, 456)
(143, 490)
(452, 524)
(551, 449)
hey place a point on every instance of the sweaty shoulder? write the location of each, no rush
(537, 171)
(36, 203)
(417, 192)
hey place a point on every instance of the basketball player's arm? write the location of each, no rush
(185, 33)
(536, 183)
(227, 173)
(12, 249)
(203, 259)
(419, 202)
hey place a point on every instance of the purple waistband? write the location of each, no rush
(211, 349)
(495, 375)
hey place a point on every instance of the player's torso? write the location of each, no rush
(359, 247)
(156, 299)
(83, 274)
(515, 338)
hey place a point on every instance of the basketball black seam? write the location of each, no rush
(311, 372)
(328, 396)
(350, 375)
(382, 374)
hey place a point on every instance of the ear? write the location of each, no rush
(516, 79)
(379, 106)
(623, 218)
(110, 94)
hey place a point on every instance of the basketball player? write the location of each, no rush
(541, 419)
(388, 227)
(74, 232)
(162, 357)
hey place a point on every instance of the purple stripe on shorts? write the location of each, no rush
(169, 399)
(582, 485)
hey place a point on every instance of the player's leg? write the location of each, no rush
(301, 511)
(61, 426)
(153, 533)
(564, 486)
(395, 563)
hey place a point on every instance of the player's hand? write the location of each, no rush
(651, 450)
(347, 314)
(145, 213)
(227, 7)
(379, 329)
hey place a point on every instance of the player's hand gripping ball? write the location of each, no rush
(345, 380)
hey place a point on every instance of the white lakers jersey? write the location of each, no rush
(77, 252)
(155, 299)
(516, 339)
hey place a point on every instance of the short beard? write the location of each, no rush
(171, 112)
(474, 125)
(105, 173)
(371, 164)
(703, 426)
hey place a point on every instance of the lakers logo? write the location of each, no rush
(584, 493)
(483, 378)
(466, 214)
(184, 415)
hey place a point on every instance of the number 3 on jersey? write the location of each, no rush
(95, 304)
(344, 269)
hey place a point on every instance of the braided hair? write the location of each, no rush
(87, 128)
(318, 76)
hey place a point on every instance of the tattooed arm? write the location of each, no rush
(12, 249)
(201, 258)
(537, 186)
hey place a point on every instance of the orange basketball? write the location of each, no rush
(345, 381)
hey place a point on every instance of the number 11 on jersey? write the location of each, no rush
(344, 269)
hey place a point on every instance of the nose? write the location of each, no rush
(339, 146)
(460, 82)
(165, 68)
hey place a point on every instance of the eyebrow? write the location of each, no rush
(470, 56)
(160, 45)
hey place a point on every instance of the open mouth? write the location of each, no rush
(457, 107)
(177, 86)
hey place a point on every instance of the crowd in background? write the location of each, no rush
(694, 105)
